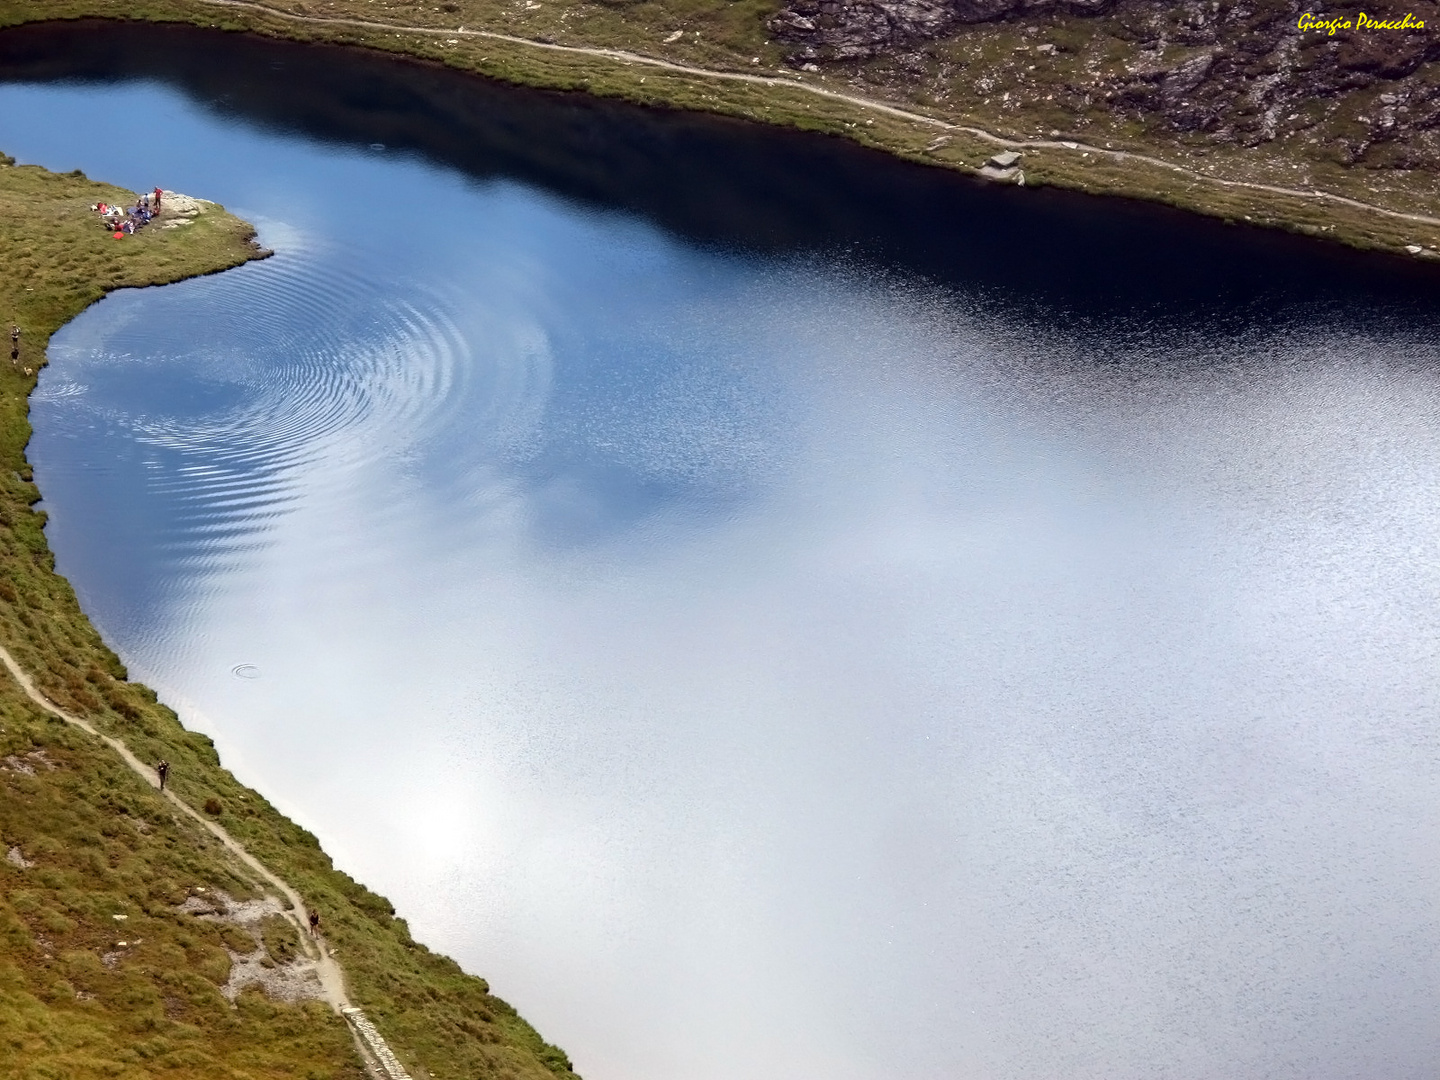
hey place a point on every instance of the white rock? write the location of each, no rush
(175, 203)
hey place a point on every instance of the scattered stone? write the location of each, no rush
(1414, 249)
(15, 857)
(293, 980)
(1005, 159)
(26, 765)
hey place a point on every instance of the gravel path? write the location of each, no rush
(378, 1056)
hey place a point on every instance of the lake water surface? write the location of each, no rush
(775, 612)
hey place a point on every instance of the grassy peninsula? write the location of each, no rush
(1231, 111)
(91, 856)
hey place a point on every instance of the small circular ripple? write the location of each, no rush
(245, 671)
(246, 378)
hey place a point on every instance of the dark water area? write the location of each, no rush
(774, 611)
(743, 187)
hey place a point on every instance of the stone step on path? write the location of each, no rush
(375, 1043)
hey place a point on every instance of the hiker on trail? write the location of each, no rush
(158, 193)
(314, 924)
(162, 768)
(14, 342)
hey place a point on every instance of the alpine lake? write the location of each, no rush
(775, 611)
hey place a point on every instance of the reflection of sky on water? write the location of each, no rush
(758, 670)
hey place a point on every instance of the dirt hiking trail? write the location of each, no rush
(377, 1055)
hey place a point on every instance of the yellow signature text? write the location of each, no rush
(1362, 21)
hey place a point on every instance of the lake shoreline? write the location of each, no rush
(437, 1016)
(1132, 173)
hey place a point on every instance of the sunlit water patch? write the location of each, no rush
(777, 664)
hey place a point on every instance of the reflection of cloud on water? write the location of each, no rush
(991, 708)
(758, 672)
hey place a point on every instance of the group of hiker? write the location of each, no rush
(122, 221)
(127, 220)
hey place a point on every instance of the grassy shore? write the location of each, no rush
(544, 45)
(82, 839)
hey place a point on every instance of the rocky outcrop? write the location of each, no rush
(849, 30)
(1246, 76)
(857, 29)
(1237, 71)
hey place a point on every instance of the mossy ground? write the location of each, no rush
(72, 1003)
